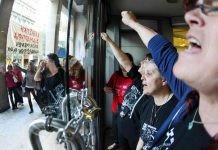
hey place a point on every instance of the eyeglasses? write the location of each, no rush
(207, 6)
(205, 9)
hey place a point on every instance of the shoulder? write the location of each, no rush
(133, 72)
(61, 70)
(173, 99)
(115, 75)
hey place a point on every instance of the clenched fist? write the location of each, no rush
(128, 17)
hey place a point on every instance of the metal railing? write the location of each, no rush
(79, 132)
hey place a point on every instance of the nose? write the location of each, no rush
(143, 77)
(141, 69)
(194, 18)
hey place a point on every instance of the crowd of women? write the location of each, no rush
(44, 82)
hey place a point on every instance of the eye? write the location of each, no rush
(148, 74)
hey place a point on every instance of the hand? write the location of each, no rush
(105, 37)
(128, 18)
(91, 36)
(15, 63)
(3, 69)
(42, 65)
(108, 89)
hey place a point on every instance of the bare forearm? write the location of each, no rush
(145, 33)
(140, 144)
(37, 76)
(121, 57)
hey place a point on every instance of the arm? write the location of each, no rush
(140, 144)
(18, 67)
(109, 88)
(37, 76)
(145, 33)
(163, 52)
(121, 57)
(41, 67)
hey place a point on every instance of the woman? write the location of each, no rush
(18, 96)
(199, 128)
(76, 74)
(128, 130)
(158, 109)
(30, 84)
(51, 76)
(40, 92)
(118, 84)
(11, 85)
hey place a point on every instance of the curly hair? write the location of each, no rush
(75, 68)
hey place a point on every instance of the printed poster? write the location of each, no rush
(23, 40)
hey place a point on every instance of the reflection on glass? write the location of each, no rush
(37, 28)
(76, 73)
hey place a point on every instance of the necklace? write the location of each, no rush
(155, 110)
(190, 124)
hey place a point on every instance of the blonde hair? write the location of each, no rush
(75, 68)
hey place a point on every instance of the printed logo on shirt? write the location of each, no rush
(167, 142)
(148, 133)
(57, 93)
(129, 100)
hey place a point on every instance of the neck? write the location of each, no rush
(162, 97)
(53, 70)
(124, 74)
(208, 111)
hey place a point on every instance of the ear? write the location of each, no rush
(164, 82)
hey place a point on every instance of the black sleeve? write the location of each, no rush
(61, 73)
(43, 78)
(133, 73)
(21, 69)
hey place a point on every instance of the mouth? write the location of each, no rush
(194, 45)
(144, 84)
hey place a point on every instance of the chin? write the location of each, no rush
(184, 74)
(178, 70)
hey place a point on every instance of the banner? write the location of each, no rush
(23, 40)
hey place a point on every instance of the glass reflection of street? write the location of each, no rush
(14, 126)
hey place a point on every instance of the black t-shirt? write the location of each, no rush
(152, 119)
(140, 107)
(54, 85)
(181, 137)
(133, 92)
(133, 106)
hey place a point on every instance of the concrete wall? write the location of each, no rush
(131, 43)
(165, 28)
(5, 12)
(51, 27)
